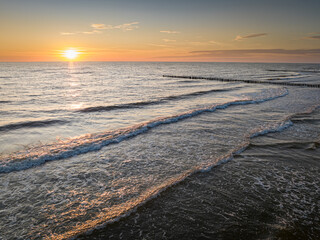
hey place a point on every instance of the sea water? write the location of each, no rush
(84, 144)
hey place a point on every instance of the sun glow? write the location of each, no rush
(71, 54)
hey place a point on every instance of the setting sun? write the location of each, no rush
(71, 54)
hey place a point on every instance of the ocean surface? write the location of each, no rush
(102, 150)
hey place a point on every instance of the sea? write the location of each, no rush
(121, 150)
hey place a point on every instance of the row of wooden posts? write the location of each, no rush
(246, 81)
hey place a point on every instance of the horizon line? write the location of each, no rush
(157, 62)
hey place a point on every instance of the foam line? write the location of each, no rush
(132, 206)
(87, 228)
(66, 149)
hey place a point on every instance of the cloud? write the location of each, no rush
(198, 43)
(314, 37)
(239, 38)
(124, 27)
(88, 32)
(251, 54)
(98, 27)
(205, 43)
(169, 40)
(127, 26)
(214, 42)
(67, 33)
(169, 32)
(256, 51)
(158, 45)
(92, 32)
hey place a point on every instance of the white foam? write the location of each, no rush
(203, 168)
(89, 143)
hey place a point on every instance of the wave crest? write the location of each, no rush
(154, 102)
(93, 142)
(30, 124)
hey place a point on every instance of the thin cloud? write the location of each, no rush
(239, 38)
(67, 33)
(124, 27)
(158, 45)
(169, 32)
(88, 32)
(198, 43)
(314, 37)
(244, 52)
(92, 32)
(214, 42)
(248, 53)
(127, 26)
(169, 40)
(205, 43)
(98, 27)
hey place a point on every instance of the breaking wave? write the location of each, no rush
(92, 142)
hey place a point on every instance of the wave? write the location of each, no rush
(36, 70)
(118, 213)
(290, 144)
(296, 118)
(5, 101)
(146, 103)
(284, 76)
(306, 118)
(188, 81)
(104, 219)
(288, 70)
(87, 72)
(93, 142)
(202, 78)
(117, 106)
(30, 124)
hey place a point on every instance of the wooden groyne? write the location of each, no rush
(246, 81)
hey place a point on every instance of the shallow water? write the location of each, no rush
(269, 191)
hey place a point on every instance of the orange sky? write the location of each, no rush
(218, 31)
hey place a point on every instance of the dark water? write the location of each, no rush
(269, 191)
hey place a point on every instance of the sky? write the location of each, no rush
(166, 30)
